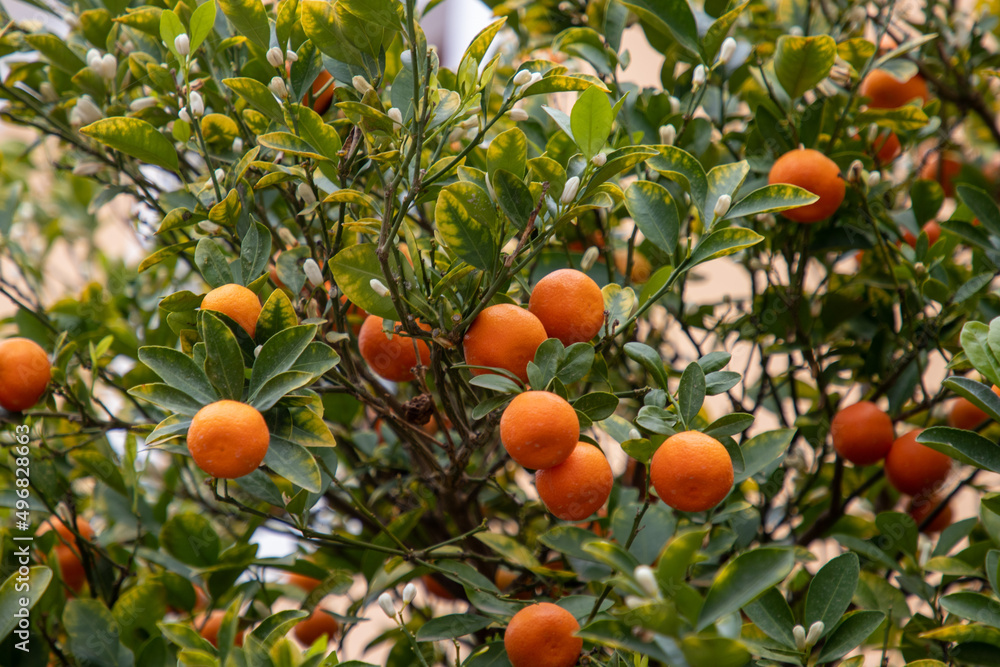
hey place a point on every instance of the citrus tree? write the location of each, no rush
(437, 327)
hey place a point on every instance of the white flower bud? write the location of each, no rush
(795, 31)
(195, 67)
(518, 115)
(256, 351)
(409, 592)
(48, 92)
(722, 205)
(873, 131)
(379, 287)
(385, 601)
(197, 104)
(634, 434)
(277, 86)
(291, 56)
(675, 104)
(570, 190)
(71, 20)
(312, 271)
(86, 111)
(184, 115)
(275, 57)
(490, 189)
(209, 227)
(800, 637)
(395, 115)
(287, 237)
(182, 44)
(522, 77)
(599, 160)
(93, 58)
(305, 193)
(108, 67)
(854, 171)
(634, 601)
(698, 78)
(589, 257)
(668, 134)
(727, 50)
(140, 103)
(220, 175)
(237, 145)
(535, 78)
(874, 179)
(361, 85)
(644, 575)
(815, 631)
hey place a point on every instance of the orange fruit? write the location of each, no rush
(308, 584)
(966, 415)
(504, 578)
(228, 439)
(539, 429)
(933, 230)
(862, 433)
(691, 471)
(884, 91)
(208, 627)
(25, 372)
(312, 628)
(392, 359)
(913, 468)
(887, 147)
(569, 305)
(921, 508)
(577, 487)
(542, 635)
(321, 100)
(67, 549)
(941, 170)
(237, 302)
(436, 588)
(642, 270)
(503, 336)
(811, 170)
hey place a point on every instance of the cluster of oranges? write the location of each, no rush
(863, 434)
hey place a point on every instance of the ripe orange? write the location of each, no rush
(577, 487)
(966, 415)
(884, 91)
(933, 230)
(308, 584)
(569, 305)
(67, 549)
(811, 170)
(503, 336)
(392, 359)
(209, 627)
(312, 628)
(539, 429)
(692, 472)
(887, 147)
(228, 439)
(642, 270)
(921, 508)
(24, 373)
(321, 100)
(941, 170)
(504, 578)
(542, 635)
(913, 468)
(862, 433)
(237, 302)
(436, 588)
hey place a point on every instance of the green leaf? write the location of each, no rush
(190, 538)
(257, 95)
(723, 242)
(134, 137)
(849, 633)
(653, 210)
(170, 27)
(907, 118)
(965, 446)
(481, 43)
(286, 142)
(691, 392)
(973, 606)
(718, 31)
(725, 179)
(202, 23)
(978, 393)
(294, 463)
(679, 554)
(612, 555)
(591, 120)
(250, 20)
(508, 150)
(12, 596)
(323, 25)
(212, 263)
(771, 199)
(619, 161)
(514, 197)
(167, 398)
(275, 388)
(56, 51)
(470, 239)
(452, 626)
(856, 51)
(225, 213)
(982, 206)
(278, 355)
(975, 340)
(379, 12)
(802, 62)
(771, 613)
(319, 135)
(87, 620)
(763, 450)
(619, 302)
(596, 405)
(223, 360)
(560, 83)
(649, 359)
(681, 166)
(511, 550)
(742, 579)
(354, 268)
(672, 17)
(831, 591)
(277, 315)
(179, 371)
(255, 252)
(730, 424)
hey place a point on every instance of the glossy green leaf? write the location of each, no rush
(354, 268)
(136, 138)
(87, 619)
(212, 263)
(771, 199)
(190, 538)
(771, 613)
(723, 242)
(965, 446)
(802, 62)
(278, 355)
(691, 392)
(202, 23)
(294, 463)
(250, 20)
(855, 628)
(167, 397)
(257, 95)
(470, 239)
(179, 371)
(762, 450)
(673, 17)
(509, 151)
(11, 598)
(653, 210)
(742, 579)
(452, 626)
(831, 591)
(591, 120)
